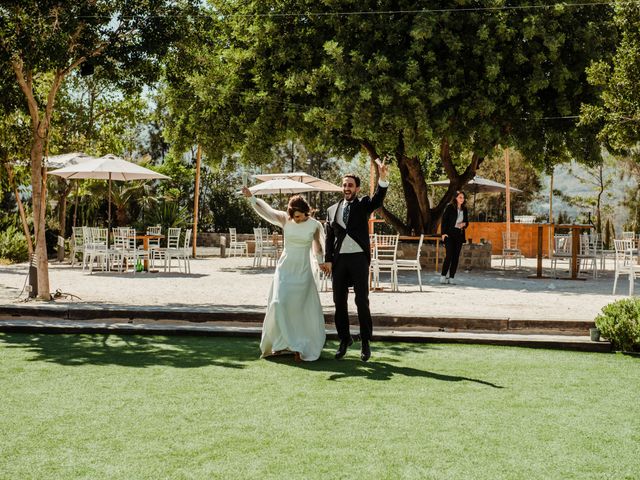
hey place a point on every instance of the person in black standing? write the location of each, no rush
(348, 254)
(455, 220)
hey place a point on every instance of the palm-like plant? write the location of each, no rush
(169, 214)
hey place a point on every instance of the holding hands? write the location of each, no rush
(246, 192)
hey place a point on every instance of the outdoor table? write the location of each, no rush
(145, 245)
(575, 246)
(539, 251)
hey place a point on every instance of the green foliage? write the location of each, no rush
(95, 116)
(617, 113)
(13, 245)
(476, 78)
(169, 214)
(257, 75)
(620, 323)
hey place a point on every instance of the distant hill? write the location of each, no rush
(567, 182)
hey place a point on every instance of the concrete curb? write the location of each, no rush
(200, 315)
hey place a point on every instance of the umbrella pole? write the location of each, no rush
(109, 215)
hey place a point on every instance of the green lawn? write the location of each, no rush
(128, 407)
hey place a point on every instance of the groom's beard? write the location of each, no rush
(349, 196)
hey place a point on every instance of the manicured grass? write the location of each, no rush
(129, 407)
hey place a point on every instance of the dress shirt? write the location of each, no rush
(349, 245)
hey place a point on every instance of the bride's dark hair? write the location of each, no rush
(297, 203)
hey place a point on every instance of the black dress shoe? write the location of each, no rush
(365, 353)
(342, 349)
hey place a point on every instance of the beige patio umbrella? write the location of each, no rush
(480, 184)
(66, 159)
(302, 177)
(108, 167)
(280, 186)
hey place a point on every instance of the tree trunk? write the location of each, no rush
(23, 216)
(421, 217)
(38, 195)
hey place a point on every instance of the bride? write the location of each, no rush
(294, 321)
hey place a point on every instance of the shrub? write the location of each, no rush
(169, 214)
(620, 323)
(13, 245)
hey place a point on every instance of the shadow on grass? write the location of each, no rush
(372, 370)
(136, 351)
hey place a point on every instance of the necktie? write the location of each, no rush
(345, 213)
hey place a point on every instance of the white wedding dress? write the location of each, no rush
(294, 320)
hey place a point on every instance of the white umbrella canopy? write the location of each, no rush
(480, 184)
(67, 159)
(108, 167)
(302, 177)
(281, 185)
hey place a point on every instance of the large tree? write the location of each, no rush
(617, 111)
(445, 84)
(43, 41)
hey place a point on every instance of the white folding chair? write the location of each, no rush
(173, 242)
(412, 264)
(510, 249)
(385, 251)
(181, 254)
(77, 244)
(118, 248)
(131, 255)
(588, 256)
(626, 262)
(236, 247)
(154, 243)
(96, 249)
(561, 251)
(263, 249)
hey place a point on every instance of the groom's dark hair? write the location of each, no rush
(354, 176)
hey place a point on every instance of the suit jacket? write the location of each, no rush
(449, 220)
(357, 225)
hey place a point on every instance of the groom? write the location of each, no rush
(348, 254)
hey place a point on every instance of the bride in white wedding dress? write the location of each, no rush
(294, 321)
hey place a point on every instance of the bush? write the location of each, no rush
(13, 245)
(620, 323)
(169, 214)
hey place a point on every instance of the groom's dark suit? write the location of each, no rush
(352, 268)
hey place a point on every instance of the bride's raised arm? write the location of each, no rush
(277, 217)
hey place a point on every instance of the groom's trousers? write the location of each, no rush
(351, 269)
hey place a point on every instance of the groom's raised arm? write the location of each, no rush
(381, 189)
